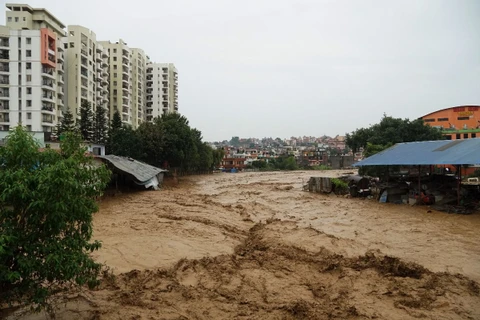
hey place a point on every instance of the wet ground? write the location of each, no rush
(255, 246)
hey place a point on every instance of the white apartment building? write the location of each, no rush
(120, 80)
(31, 69)
(138, 76)
(87, 70)
(162, 90)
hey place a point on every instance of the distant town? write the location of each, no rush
(309, 151)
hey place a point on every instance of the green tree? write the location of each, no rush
(116, 121)
(46, 204)
(235, 141)
(390, 131)
(126, 142)
(85, 123)
(100, 128)
(67, 124)
(152, 142)
(178, 141)
(217, 156)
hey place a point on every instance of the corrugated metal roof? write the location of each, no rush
(427, 153)
(140, 170)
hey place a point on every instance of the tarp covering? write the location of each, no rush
(457, 152)
(141, 171)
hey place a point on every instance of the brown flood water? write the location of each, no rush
(255, 246)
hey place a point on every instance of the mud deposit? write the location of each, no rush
(255, 246)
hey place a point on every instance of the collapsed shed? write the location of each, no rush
(138, 172)
(429, 153)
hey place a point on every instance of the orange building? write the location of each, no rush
(462, 122)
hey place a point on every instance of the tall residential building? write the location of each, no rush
(31, 69)
(138, 76)
(120, 80)
(87, 70)
(162, 90)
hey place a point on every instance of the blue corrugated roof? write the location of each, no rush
(427, 153)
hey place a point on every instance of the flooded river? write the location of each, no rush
(256, 246)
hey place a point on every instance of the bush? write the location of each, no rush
(340, 186)
(46, 204)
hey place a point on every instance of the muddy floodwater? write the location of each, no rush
(256, 246)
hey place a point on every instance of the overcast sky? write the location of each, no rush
(278, 68)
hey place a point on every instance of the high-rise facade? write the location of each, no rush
(44, 70)
(138, 78)
(162, 89)
(120, 79)
(32, 64)
(87, 70)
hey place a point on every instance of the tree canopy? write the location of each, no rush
(86, 121)
(46, 204)
(168, 141)
(390, 131)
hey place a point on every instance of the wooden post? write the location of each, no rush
(419, 186)
(459, 183)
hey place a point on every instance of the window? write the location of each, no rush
(29, 40)
(24, 19)
(114, 67)
(474, 135)
(72, 45)
(449, 137)
(114, 50)
(114, 58)
(465, 136)
(9, 19)
(29, 103)
(114, 83)
(29, 53)
(29, 65)
(16, 19)
(442, 119)
(115, 75)
(65, 45)
(463, 118)
(29, 128)
(458, 136)
(72, 33)
(428, 120)
(29, 77)
(29, 115)
(29, 90)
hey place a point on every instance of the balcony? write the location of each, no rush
(4, 80)
(5, 105)
(4, 67)
(47, 72)
(4, 54)
(4, 94)
(125, 63)
(60, 102)
(84, 52)
(104, 64)
(47, 97)
(47, 120)
(47, 108)
(125, 52)
(98, 58)
(47, 84)
(4, 117)
(60, 79)
(4, 42)
(60, 58)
